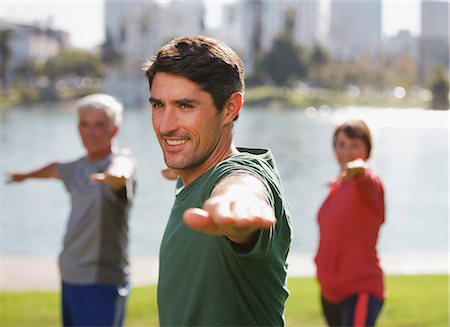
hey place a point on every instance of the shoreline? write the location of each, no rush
(27, 272)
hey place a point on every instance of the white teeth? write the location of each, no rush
(175, 142)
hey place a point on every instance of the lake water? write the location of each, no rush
(410, 154)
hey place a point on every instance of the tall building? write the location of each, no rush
(134, 31)
(355, 29)
(404, 44)
(305, 21)
(434, 43)
(251, 26)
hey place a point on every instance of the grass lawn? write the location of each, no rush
(421, 300)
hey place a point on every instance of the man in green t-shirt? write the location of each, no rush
(223, 253)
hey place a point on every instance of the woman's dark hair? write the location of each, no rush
(210, 63)
(355, 129)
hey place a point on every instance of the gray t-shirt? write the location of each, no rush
(96, 241)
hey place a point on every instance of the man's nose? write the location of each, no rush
(169, 121)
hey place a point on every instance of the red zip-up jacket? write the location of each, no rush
(349, 222)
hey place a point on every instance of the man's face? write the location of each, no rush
(96, 132)
(187, 124)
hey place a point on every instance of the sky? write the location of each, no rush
(84, 19)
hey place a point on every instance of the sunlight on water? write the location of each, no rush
(410, 155)
(401, 118)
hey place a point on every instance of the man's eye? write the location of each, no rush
(186, 106)
(157, 105)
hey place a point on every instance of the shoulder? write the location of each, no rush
(255, 162)
(70, 164)
(370, 186)
(370, 176)
(258, 161)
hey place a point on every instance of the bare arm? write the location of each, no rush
(237, 209)
(48, 171)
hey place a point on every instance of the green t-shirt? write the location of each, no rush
(207, 280)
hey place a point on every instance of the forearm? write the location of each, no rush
(239, 187)
(48, 171)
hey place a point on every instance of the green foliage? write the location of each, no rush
(439, 88)
(110, 54)
(5, 53)
(71, 73)
(285, 62)
(275, 97)
(71, 62)
(420, 300)
(401, 71)
(319, 56)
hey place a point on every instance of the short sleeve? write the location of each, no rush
(236, 166)
(66, 171)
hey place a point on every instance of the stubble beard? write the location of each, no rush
(186, 162)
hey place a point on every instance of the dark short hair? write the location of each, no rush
(210, 63)
(355, 129)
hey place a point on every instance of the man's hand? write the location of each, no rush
(354, 169)
(16, 178)
(116, 175)
(169, 173)
(236, 209)
(116, 182)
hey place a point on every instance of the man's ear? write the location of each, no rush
(114, 131)
(233, 106)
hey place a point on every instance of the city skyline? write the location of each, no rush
(89, 33)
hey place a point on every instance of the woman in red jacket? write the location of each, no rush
(348, 269)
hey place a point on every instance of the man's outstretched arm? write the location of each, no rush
(48, 171)
(237, 209)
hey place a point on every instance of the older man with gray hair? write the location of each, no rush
(94, 260)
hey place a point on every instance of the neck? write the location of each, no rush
(190, 175)
(98, 155)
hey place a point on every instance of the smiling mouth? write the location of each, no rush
(176, 142)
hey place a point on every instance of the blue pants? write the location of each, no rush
(357, 310)
(94, 305)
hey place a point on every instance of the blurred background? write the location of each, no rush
(364, 50)
(309, 66)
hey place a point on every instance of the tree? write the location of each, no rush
(71, 62)
(402, 71)
(110, 55)
(439, 89)
(5, 54)
(285, 62)
(318, 60)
